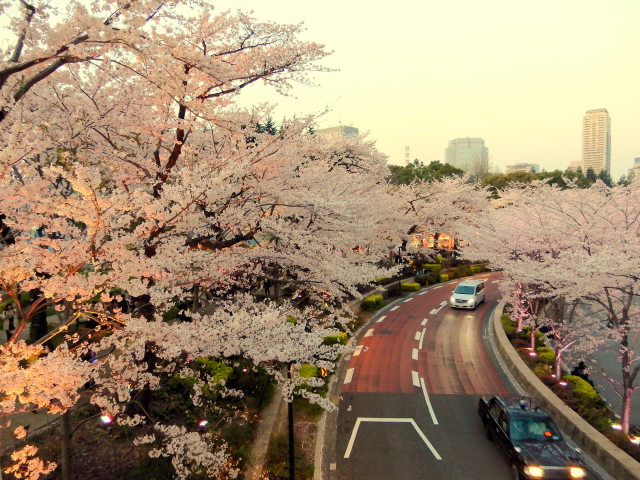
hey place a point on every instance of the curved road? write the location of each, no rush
(410, 392)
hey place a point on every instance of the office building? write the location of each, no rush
(341, 131)
(468, 154)
(523, 167)
(596, 141)
(634, 172)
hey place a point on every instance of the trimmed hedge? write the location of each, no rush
(383, 280)
(478, 268)
(341, 338)
(411, 287)
(372, 302)
(444, 277)
(307, 370)
(508, 325)
(546, 354)
(583, 389)
(432, 267)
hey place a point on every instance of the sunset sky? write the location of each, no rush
(518, 74)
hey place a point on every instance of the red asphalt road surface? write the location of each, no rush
(453, 358)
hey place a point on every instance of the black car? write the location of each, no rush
(530, 440)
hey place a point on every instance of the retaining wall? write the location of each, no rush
(615, 461)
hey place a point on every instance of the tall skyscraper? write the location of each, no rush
(596, 141)
(468, 154)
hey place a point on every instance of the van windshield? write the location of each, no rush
(464, 289)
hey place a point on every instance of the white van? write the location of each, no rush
(467, 294)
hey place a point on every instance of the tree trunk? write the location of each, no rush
(558, 364)
(627, 388)
(195, 304)
(65, 447)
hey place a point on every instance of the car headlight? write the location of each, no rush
(452, 299)
(577, 472)
(534, 472)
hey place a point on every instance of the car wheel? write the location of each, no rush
(515, 473)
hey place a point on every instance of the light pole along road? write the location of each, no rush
(410, 391)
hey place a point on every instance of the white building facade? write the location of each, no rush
(596, 141)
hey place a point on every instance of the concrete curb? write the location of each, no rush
(615, 461)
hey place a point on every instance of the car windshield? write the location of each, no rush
(464, 289)
(533, 429)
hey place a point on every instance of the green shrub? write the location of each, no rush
(583, 389)
(383, 280)
(307, 370)
(444, 277)
(508, 325)
(372, 302)
(393, 290)
(432, 267)
(477, 268)
(546, 354)
(410, 287)
(422, 280)
(217, 371)
(463, 271)
(542, 369)
(341, 338)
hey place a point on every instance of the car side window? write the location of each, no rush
(495, 410)
(480, 287)
(503, 421)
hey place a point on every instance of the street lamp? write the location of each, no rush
(292, 474)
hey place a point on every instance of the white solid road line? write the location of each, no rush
(417, 337)
(357, 351)
(414, 379)
(394, 308)
(408, 299)
(349, 376)
(381, 318)
(437, 286)
(426, 399)
(421, 338)
(414, 354)
(369, 333)
(360, 420)
(424, 322)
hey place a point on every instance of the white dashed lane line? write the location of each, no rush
(424, 322)
(357, 351)
(421, 338)
(417, 337)
(369, 333)
(349, 376)
(415, 379)
(414, 354)
(381, 318)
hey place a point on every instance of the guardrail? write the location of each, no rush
(615, 461)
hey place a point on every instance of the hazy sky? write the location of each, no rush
(518, 74)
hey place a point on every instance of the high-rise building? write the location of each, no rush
(634, 172)
(596, 141)
(468, 154)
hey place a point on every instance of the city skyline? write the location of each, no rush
(521, 78)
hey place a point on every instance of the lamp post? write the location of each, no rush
(292, 474)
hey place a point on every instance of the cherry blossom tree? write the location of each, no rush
(121, 145)
(576, 244)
